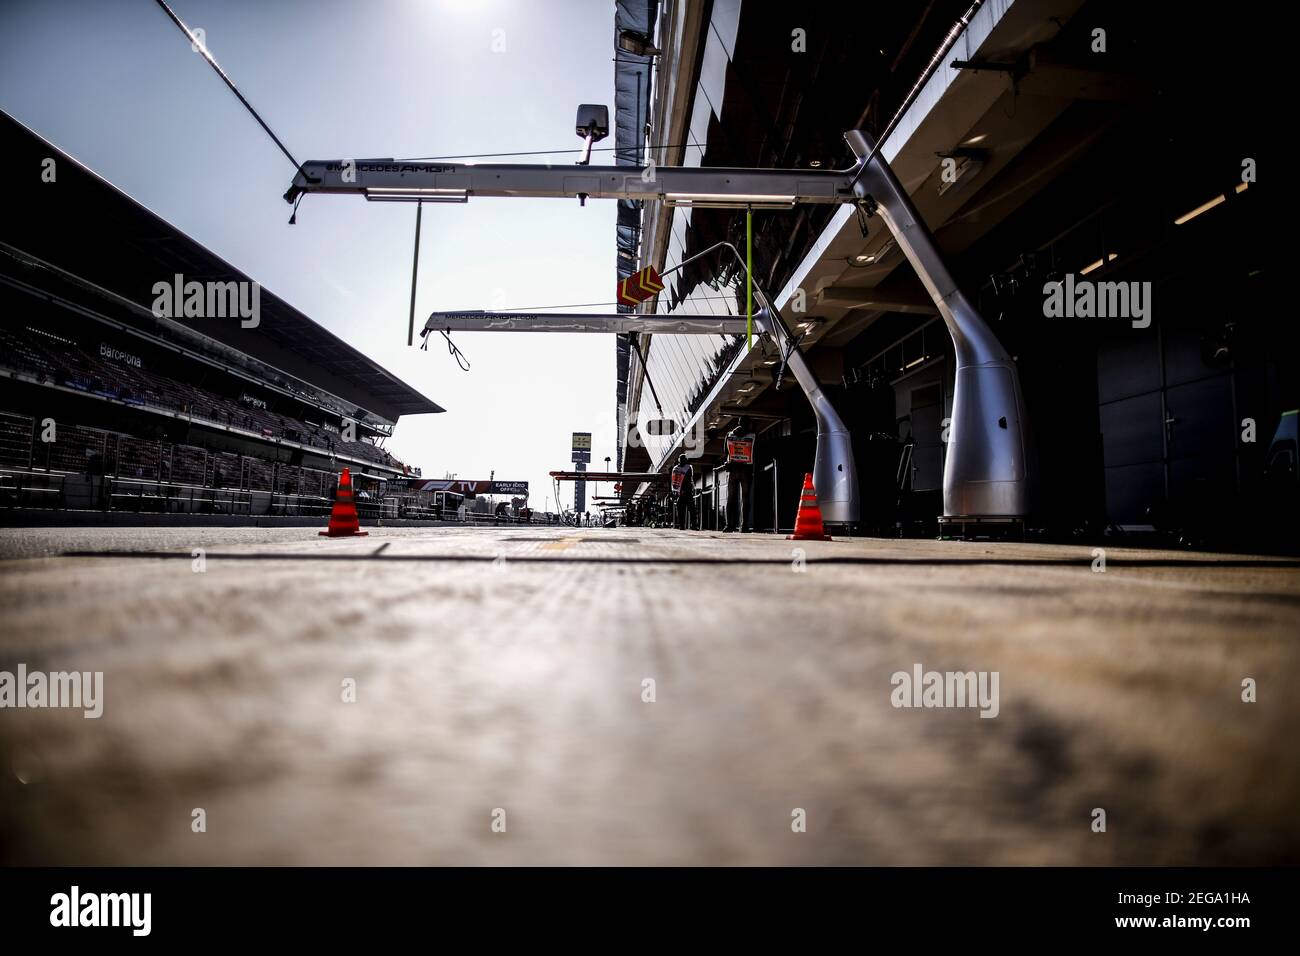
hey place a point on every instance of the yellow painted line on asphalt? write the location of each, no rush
(563, 544)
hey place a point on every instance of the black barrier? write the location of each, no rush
(979, 908)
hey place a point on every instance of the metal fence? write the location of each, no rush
(164, 497)
(126, 473)
(78, 449)
(26, 489)
(106, 470)
(16, 440)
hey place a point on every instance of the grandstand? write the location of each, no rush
(105, 405)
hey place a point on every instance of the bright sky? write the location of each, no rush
(115, 84)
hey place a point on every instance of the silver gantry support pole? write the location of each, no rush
(835, 472)
(987, 469)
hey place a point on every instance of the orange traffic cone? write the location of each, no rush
(808, 522)
(343, 519)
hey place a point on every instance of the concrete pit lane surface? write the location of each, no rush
(532, 695)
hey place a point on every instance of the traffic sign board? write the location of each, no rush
(640, 286)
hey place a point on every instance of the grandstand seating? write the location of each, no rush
(15, 440)
(54, 358)
(152, 475)
(81, 450)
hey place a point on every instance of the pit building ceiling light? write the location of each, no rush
(1110, 257)
(1204, 207)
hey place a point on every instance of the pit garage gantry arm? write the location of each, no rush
(987, 466)
(834, 469)
(402, 181)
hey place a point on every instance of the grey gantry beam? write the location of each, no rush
(404, 181)
(651, 322)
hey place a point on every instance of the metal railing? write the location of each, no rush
(24, 489)
(93, 468)
(297, 505)
(776, 507)
(165, 497)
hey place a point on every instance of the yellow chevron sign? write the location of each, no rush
(640, 286)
